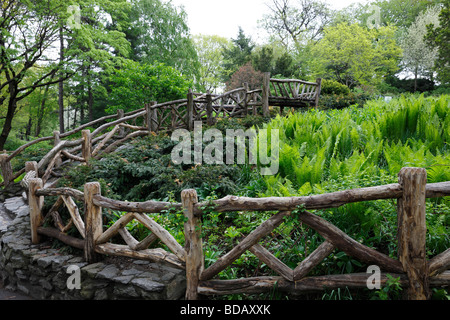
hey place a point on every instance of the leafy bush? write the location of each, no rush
(334, 87)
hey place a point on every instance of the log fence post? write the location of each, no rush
(6, 168)
(120, 115)
(412, 230)
(246, 95)
(93, 221)
(190, 111)
(86, 145)
(266, 94)
(152, 117)
(32, 166)
(318, 90)
(57, 140)
(193, 244)
(209, 109)
(35, 203)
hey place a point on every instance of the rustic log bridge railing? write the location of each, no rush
(167, 116)
(415, 271)
(290, 92)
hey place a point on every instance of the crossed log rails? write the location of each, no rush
(191, 256)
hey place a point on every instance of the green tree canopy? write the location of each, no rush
(237, 55)
(135, 84)
(158, 32)
(354, 55)
(440, 37)
(210, 55)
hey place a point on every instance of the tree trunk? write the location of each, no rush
(12, 106)
(61, 83)
(415, 79)
(28, 128)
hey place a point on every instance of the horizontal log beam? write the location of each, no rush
(53, 233)
(138, 207)
(153, 255)
(258, 285)
(53, 192)
(439, 263)
(321, 201)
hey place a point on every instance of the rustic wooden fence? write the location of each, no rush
(415, 271)
(290, 92)
(167, 116)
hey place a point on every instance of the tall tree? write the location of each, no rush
(210, 56)
(418, 55)
(354, 55)
(439, 36)
(400, 13)
(296, 22)
(27, 30)
(237, 55)
(158, 32)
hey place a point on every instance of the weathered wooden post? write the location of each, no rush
(32, 166)
(7, 171)
(318, 90)
(209, 109)
(266, 94)
(120, 115)
(148, 117)
(86, 145)
(151, 117)
(190, 110)
(93, 221)
(57, 140)
(247, 89)
(193, 244)
(35, 203)
(412, 230)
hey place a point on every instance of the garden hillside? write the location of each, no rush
(320, 151)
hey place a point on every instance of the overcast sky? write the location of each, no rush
(223, 18)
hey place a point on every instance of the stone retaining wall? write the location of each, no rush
(43, 273)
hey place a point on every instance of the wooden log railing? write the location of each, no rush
(416, 272)
(167, 116)
(290, 93)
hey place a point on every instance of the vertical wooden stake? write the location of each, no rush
(246, 95)
(412, 231)
(35, 203)
(209, 109)
(120, 115)
(32, 166)
(318, 90)
(152, 117)
(7, 172)
(93, 221)
(86, 145)
(190, 111)
(57, 138)
(266, 94)
(193, 244)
